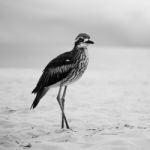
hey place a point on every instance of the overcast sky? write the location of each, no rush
(45, 27)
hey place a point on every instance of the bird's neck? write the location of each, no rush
(80, 52)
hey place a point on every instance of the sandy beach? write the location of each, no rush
(108, 109)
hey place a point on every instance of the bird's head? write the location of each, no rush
(83, 40)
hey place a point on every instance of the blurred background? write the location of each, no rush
(32, 32)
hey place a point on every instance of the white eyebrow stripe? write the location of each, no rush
(85, 40)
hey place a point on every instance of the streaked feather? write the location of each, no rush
(39, 95)
(55, 71)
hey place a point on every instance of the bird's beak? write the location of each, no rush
(90, 42)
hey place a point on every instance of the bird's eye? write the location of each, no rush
(81, 39)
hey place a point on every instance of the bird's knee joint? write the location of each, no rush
(58, 98)
(63, 99)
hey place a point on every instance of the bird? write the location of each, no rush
(62, 71)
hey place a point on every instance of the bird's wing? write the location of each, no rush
(55, 71)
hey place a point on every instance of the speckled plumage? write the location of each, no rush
(64, 69)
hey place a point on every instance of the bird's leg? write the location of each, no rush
(60, 104)
(63, 105)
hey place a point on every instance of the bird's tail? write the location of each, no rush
(39, 95)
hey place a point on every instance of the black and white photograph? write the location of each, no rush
(74, 75)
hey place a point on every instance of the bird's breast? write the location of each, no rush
(79, 67)
(83, 60)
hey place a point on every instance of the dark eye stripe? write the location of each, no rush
(81, 39)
